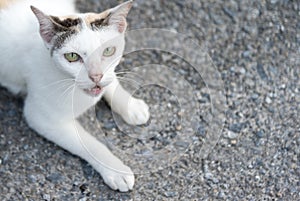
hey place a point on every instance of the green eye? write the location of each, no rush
(109, 51)
(72, 57)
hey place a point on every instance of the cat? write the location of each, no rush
(64, 62)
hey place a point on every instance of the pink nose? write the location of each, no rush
(96, 78)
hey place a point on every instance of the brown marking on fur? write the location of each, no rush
(67, 21)
(97, 24)
(61, 39)
(6, 3)
(96, 21)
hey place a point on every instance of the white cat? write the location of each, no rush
(65, 63)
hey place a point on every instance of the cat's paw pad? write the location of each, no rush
(122, 180)
(137, 112)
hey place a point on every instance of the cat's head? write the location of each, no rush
(87, 46)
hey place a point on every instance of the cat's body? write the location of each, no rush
(65, 70)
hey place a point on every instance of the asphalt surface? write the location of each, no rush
(237, 137)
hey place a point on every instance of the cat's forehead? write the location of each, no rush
(84, 26)
(89, 41)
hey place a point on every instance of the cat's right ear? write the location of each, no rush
(47, 28)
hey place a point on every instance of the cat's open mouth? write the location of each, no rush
(95, 91)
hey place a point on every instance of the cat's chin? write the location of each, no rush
(95, 91)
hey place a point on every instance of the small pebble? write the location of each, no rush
(221, 195)
(273, 1)
(255, 13)
(179, 127)
(54, 177)
(32, 178)
(261, 71)
(46, 197)
(201, 131)
(232, 135)
(236, 127)
(268, 100)
(242, 71)
(279, 194)
(260, 134)
(254, 96)
(208, 176)
(83, 188)
(109, 125)
(246, 54)
(170, 194)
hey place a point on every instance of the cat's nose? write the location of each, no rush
(96, 78)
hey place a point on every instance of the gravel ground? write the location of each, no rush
(255, 48)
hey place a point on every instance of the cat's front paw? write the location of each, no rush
(137, 112)
(121, 179)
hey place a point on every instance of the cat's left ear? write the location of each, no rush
(118, 14)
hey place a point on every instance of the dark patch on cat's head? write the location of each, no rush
(99, 23)
(96, 21)
(68, 22)
(61, 39)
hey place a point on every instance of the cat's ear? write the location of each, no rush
(48, 29)
(118, 14)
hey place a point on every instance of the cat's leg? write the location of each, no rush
(133, 111)
(71, 136)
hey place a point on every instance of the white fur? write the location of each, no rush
(54, 87)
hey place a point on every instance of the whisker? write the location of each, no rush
(57, 89)
(129, 73)
(69, 91)
(134, 79)
(106, 70)
(128, 80)
(65, 93)
(58, 82)
(111, 66)
(82, 85)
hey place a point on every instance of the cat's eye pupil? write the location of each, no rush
(72, 57)
(109, 51)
